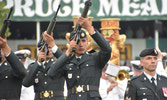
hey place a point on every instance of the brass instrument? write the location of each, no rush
(122, 74)
(121, 78)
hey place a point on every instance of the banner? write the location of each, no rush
(43, 10)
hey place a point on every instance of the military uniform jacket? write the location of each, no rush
(140, 88)
(37, 76)
(12, 72)
(85, 72)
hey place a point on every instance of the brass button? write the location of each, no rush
(77, 76)
(79, 95)
(45, 74)
(6, 76)
(6, 63)
(144, 93)
(45, 82)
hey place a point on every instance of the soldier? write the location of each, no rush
(45, 88)
(12, 72)
(27, 93)
(82, 70)
(137, 69)
(149, 85)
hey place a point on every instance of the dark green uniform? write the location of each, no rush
(140, 88)
(12, 72)
(83, 77)
(45, 88)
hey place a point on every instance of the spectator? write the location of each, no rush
(147, 32)
(139, 33)
(129, 32)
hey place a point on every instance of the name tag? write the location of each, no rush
(143, 88)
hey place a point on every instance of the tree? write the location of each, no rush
(3, 15)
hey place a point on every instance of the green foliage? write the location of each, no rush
(3, 15)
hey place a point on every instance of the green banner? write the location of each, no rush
(43, 10)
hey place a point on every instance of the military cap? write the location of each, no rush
(81, 33)
(149, 51)
(136, 65)
(22, 54)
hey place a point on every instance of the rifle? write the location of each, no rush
(50, 28)
(77, 29)
(4, 27)
(5, 23)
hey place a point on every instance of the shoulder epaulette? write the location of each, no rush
(134, 77)
(163, 76)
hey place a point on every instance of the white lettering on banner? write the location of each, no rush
(103, 8)
(126, 8)
(164, 7)
(19, 8)
(39, 8)
(154, 7)
(76, 7)
(9, 4)
(107, 7)
(149, 7)
(66, 9)
(56, 4)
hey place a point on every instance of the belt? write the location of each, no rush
(82, 88)
(48, 94)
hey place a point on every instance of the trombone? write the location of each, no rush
(121, 76)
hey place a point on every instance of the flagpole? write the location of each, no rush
(37, 33)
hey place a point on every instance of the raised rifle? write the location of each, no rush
(77, 29)
(50, 28)
(5, 24)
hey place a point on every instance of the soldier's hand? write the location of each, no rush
(159, 53)
(41, 55)
(84, 22)
(4, 46)
(49, 39)
(72, 45)
(112, 84)
(3, 42)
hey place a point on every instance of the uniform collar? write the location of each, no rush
(149, 77)
(79, 57)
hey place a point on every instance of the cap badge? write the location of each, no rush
(82, 35)
(155, 51)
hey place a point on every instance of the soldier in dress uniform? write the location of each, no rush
(12, 72)
(82, 70)
(45, 88)
(27, 93)
(149, 85)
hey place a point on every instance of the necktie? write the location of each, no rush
(44, 65)
(153, 83)
(78, 59)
